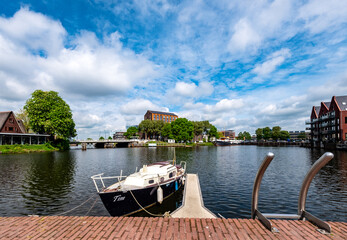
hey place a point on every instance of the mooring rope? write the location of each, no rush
(91, 207)
(77, 206)
(166, 214)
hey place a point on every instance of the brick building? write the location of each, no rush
(9, 123)
(328, 122)
(12, 131)
(229, 134)
(163, 116)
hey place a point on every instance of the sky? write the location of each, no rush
(242, 65)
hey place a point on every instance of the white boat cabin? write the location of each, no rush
(153, 174)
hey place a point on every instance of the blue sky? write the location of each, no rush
(240, 64)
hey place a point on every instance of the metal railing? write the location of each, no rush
(302, 213)
(101, 179)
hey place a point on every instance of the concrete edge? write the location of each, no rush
(201, 199)
(184, 196)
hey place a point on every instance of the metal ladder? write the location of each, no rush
(302, 213)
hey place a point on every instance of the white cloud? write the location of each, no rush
(275, 60)
(90, 68)
(34, 31)
(191, 90)
(323, 15)
(244, 37)
(226, 105)
(140, 107)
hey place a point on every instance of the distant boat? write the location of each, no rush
(142, 189)
(224, 142)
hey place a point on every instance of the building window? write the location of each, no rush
(10, 120)
(10, 128)
(345, 119)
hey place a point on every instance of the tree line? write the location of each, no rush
(181, 130)
(275, 133)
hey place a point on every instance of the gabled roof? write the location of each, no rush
(327, 104)
(3, 118)
(342, 102)
(21, 126)
(315, 111)
(165, 113)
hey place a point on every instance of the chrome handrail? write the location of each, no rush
(101, 178)
(302, 213)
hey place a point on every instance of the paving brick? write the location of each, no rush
(159, 228)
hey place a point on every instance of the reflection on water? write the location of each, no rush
(48, 182)
(51, 183)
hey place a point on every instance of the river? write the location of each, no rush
(53, 183)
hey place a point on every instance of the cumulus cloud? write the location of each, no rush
(140, 107)
(33, 55)
(35, 32)
(191, 90)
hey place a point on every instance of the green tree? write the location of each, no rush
(213, 132)
(267, 133)
(109, 138)
(259, 133)
(22, 115)
(276, 131)
(182, 130)
(166, 131)
(284, 135)
(302, 135)
(49, 113)
(146, 127)
(131, 132)
(101, 138)
(247, 135)
(240, 136)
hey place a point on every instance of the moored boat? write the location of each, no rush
(142, 189)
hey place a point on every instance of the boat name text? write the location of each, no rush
(118, 198)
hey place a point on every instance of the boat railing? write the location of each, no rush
(302, 213)
(101, 178)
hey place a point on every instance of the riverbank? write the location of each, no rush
(6, 149)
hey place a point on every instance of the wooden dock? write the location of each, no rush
(193, 205)
(63, 227)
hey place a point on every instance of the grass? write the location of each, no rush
(27, 148)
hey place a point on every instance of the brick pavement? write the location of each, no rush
(63, 227)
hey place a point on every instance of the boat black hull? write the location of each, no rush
(222, 143)
(123, 203)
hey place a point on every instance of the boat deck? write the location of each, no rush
(159, 228)
(193, 205)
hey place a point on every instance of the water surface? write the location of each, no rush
(52, 183)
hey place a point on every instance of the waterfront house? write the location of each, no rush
(328, 122)
(9, 123)
(162, 116)
(12, 131)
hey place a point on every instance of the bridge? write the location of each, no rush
(105, 143)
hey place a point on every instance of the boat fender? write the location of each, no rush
(183, 180)
(160, 195)
(176, 185)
